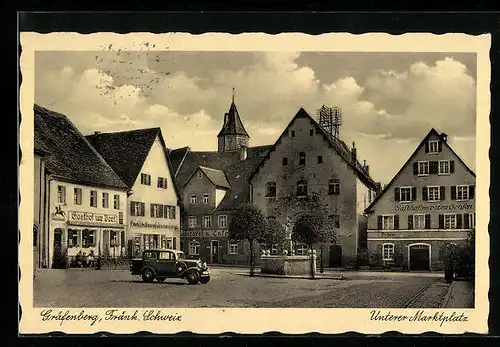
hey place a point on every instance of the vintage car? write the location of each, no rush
(159, 264)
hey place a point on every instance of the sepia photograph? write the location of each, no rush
(253, 178)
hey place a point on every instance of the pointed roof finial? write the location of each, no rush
(233, 94)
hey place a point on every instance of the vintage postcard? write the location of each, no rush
(254, 183)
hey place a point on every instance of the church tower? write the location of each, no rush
(233, 134)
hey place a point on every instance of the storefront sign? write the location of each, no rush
(89, 217)
(204, 233)
(433, 207)
(154, 225)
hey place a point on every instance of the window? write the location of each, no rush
(205, 198)
(433, 193)
(284, 161)
(162, 182)
(444, 167)
(169, 212)
(301, 249)
(388, 222)
(462, 193)
(333, 187)
(150, 255)
(61, 194)
(157, 211)
(207, 221)
(311, 132)
(116, 202)
(302, 188)
(233, 247)
(93, 198)
(192, 222)
(274, 249)
(270, 189)
(73, 238)
(222, 221)
(194, 248)
(423, 168)
(146, 179)
(77, 192)
(388, 251)
(88, 238)
(166, 255)
(450, 221)
(302, 158)
(335, 219)
(192, 199)
(105, 200)
(433, 146)
(419, 221)
(168, 243)
(469, 221)
(137, 208)
(320, 159)
(405, 194)
(200, 174)
(292, 133)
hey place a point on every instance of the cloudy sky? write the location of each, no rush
(389, 100)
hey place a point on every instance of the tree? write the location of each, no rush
(247, 223)
(310, 228)
(274, 233)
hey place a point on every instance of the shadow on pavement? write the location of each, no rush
(155, 282)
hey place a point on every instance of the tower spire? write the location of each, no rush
(233, 95)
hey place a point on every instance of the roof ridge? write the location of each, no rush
(123, 131)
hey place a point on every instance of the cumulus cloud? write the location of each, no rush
(384, 108)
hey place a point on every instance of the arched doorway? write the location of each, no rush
(419, 256)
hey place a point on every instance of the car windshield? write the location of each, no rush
(180, 255)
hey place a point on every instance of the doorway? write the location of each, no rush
(214, 251)
(419, 257)
(335, 256)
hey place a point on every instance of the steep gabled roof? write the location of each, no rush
(69, 155)
(422, 143)
(338, 145)
(217, 177)
(125, 151)
(233, 124)
(177, 156)
(235, 170)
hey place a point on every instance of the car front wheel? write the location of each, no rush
(148, 275)
(193, 277)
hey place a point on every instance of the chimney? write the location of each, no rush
(354, 152)
(243, 152)
(96, 140)
(97, 132)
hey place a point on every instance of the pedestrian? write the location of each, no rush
(90, 259)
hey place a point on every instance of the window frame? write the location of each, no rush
(190, 220)
(393, 217)
(454, 226)
(419, 163)
(302, 183)
(207, 219)
(415, 221)
(193, 199)
(93, 198)
(61, 194)
(145, 179)
(77, 196)
(390, 251)
(271, 185)
(448, 166)
(105, 200)
(194, 248)
(222, 217)
(431, 142)
(401, 193)
(466, 191)
(205, 199)
(333, 186)
(116, 201)
(429, 193)
(302, 158)
(233, 247)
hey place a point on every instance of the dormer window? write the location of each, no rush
(433, 146)
(200, 174)
(270, 189)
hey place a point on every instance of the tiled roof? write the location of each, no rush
(336, 143)
(233, 124)
(237, 172)
(69, 155)
(217, 177)
(125, 151)
(177, 156)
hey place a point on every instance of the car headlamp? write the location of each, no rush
(204, 265)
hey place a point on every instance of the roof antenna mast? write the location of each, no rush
(330, 119)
